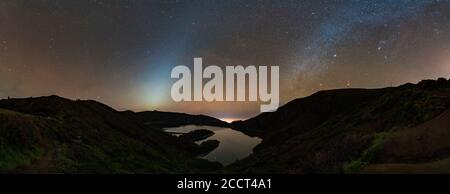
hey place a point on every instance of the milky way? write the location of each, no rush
(121, 52)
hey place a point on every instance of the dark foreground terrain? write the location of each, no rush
(403, 129)
(57, 135)
(389, 130)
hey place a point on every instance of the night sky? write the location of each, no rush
(121, 52)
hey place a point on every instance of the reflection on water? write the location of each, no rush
(230, 120)
(234, 145)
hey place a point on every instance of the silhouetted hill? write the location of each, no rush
(355, 130)
(53, 134)
(171, 119)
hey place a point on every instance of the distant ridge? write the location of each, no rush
(171, 119)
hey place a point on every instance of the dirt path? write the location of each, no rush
(423, 142)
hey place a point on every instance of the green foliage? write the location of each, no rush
(354, 166)
(367, 156)
(11, 159)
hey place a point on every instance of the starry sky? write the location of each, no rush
(121, 52)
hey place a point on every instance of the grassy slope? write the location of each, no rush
(339, 130)
(19, 143)
(57, 135)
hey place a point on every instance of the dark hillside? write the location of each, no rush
(346, 130)
(53, 134)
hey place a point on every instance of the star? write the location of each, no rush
(348, 83)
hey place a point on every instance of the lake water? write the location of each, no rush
(234, 145)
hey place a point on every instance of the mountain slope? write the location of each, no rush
(53, 134)
(397, 129)
(346, 130)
